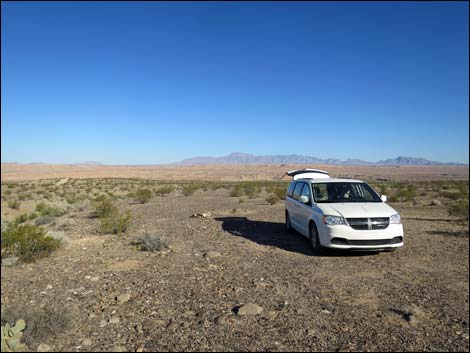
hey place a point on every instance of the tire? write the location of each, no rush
(314, 239)
(288, 225)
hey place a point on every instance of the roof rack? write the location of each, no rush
(308, 173)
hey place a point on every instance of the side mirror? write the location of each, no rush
(384, 198)
(304, 199)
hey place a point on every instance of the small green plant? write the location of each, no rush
(164, 190)
(19, 219)
(272, 199)
(14, 204)
(143, 195)
(280, 193)
(27, 242)
(116, 223)
(149, 242)
(47, 210)
(190, 189)
(236, 191)
(103, 207)
(452, 195)
(71, 198)
(459, 209)
(11, 337)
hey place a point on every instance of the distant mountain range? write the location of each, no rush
(246, 158)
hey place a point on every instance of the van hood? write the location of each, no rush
(357, 209)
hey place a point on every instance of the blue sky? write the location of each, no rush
(155, 82)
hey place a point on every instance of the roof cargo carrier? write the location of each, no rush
(308, 174)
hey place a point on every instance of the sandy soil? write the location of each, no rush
(15, 172)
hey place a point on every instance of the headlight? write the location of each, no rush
(333, 220)
(395, 219)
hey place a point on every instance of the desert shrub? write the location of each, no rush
(27, 242)
(47, 210)
(250, 190)
(7, 192)
(393, 198)
(164, 190)
(41, 323)
(103, 207)
(272, 199)
(452, 195)
(280, 193)
(14, 204)
(459, 209)
(189, 189)
(216, 186)
(22, 197)
(116, 222)
(383, 189)
(236, 191)
(150, 242)
(19, 219)
(71, 198)
(143, 195)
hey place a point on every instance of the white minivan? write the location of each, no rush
(340, 213)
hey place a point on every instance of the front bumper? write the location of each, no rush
(345, 237)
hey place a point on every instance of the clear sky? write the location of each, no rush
(155, 82)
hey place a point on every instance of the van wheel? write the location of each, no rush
(314, 239)
(288, 225)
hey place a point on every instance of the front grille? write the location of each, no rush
(376, 223)
(342, 241)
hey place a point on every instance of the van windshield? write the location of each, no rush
(344, 192)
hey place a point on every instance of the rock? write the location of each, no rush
(202, 215)
(411, 318)
(10, 261)
(212, 255)
(103, 323)
(118, 348)
(114, 320)
(249, 309)
(123, 298)
(86, 342)
(436, 203)
(324, 311)
(44, 348)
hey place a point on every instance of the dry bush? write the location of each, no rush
(150, 242)
(41, 323)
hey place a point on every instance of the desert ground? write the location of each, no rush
(218, 243)
(18, 172)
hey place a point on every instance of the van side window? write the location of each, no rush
(290, 190)
(297, 190)
(306, 192)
